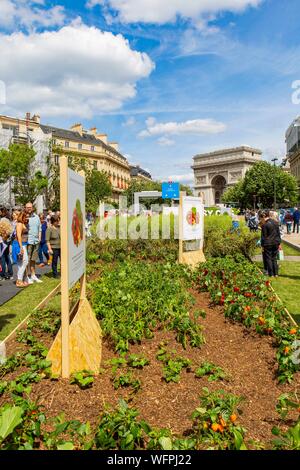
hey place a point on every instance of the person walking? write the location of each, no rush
(22, 256)
(53, 242)
(34, 237)
(43, 248)
(296, 217)
(253, 222)
(262, 221)
(270, 242)
(288, 220)
(15, 244)
(6, 265)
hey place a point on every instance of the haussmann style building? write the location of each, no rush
(101, 154)
(292, 138)
(138, 174)
(214, 172)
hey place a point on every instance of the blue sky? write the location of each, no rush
(167, 79)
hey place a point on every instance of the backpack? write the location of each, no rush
(252, 224)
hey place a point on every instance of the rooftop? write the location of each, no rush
(243, 148)
(136, 170)
(84, 138)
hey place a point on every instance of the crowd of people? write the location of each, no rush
(271, 224)
(286, 218)
(28, 240)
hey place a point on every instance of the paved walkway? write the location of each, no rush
(286, 258)
(8, 288)
(293, 239)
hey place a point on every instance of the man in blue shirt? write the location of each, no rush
(34, 238)
(296, 217)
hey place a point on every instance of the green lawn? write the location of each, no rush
(287, 250)
(287, 286)
(15, 310)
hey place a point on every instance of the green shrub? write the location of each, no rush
(221, 241)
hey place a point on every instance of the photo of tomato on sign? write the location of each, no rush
(193, 217)
(77, 224)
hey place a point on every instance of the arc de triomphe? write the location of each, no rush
(216, 171)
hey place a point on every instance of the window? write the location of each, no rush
(56, 159)
(92, 148)
(95, 164)
(67, 144)
(79, 146)
(8, 127)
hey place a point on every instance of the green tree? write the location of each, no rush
(235, 194)
(259, 185)
(17, 163)
(98, 187)
(187, 189)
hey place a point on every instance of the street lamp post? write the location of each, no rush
(254, 200)
(274, 160)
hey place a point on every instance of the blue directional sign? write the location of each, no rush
(170, 190)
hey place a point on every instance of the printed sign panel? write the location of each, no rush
(170, 190)
(76, 226)
(192, 218)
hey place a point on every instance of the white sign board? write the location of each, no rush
(76, 226)
(171, 210)
(192, 218)
(226, 210)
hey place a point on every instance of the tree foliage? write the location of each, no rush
(259, 186)
(98, 187)
(17, 163)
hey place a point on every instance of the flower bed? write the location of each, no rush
(247, 297)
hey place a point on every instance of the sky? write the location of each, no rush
(167, 79)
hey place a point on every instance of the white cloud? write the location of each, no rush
(166, 142)
(129, 122)
(195, 127)
(29, 14)
(164, 11)
(75, 71)
(188, 178)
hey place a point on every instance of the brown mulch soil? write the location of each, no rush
(248, 358)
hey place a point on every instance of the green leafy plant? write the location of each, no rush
(133, 300)
(215, 421)
(287, 440)
(120, 429)
(211, 370)
(126, 380)
(84, 379)
(173, 365)
(137, 362)
(287, 402)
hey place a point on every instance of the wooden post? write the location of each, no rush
(65, 304)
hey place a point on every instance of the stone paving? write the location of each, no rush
(286, 258)
(8, 288)
(293, 239)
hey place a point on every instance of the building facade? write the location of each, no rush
(214, 172)
(138, 174)
(101, 154)
(292, 138)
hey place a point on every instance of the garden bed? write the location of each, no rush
(247, 359)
